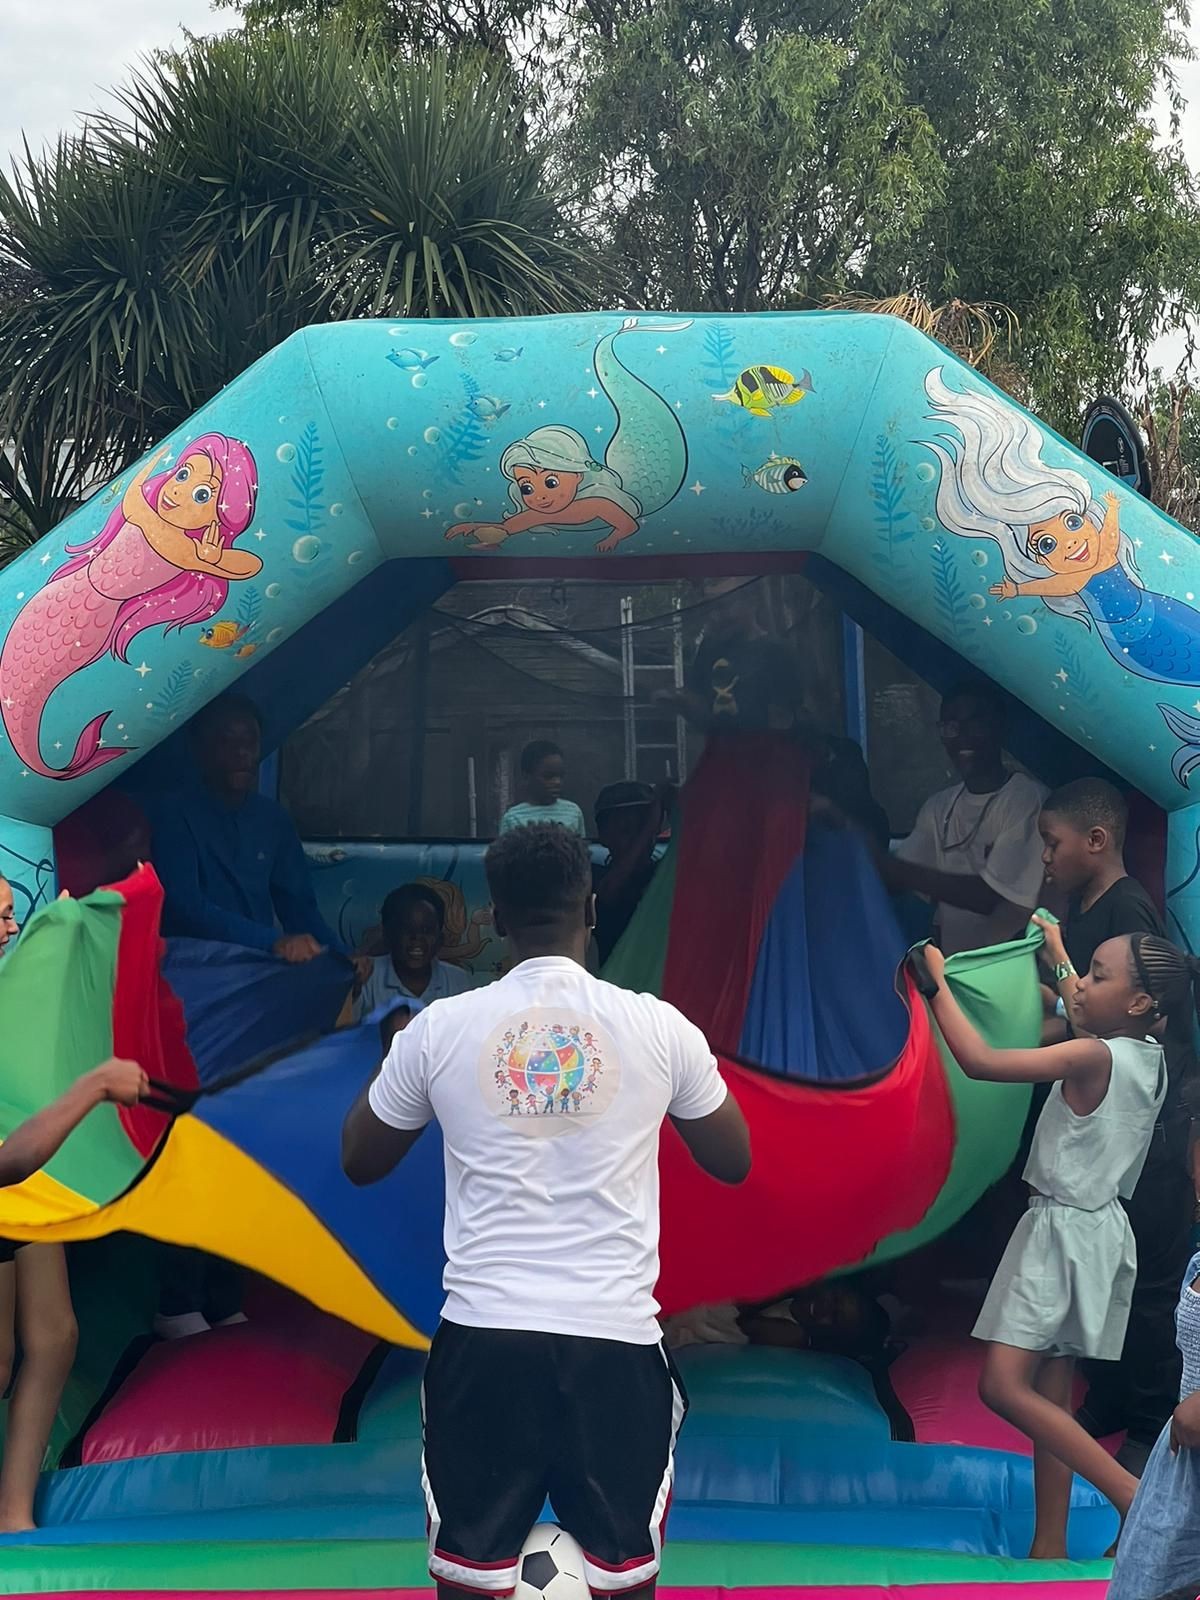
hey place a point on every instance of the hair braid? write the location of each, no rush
(1169, 977)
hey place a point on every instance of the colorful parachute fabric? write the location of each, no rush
(867, 1138)
(781, 943)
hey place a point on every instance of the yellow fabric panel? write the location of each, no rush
(40, 1198)
(204, 1192)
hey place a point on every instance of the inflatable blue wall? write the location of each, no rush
(673, 437)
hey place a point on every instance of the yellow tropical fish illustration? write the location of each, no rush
(761, 390)
(224, 635)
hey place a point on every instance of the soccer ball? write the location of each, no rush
(550, 1566)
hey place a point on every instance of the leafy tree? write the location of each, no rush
(239, 190)
(746, 154)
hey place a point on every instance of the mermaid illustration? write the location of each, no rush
(1058, 543)
(164, 558)
(555, 482)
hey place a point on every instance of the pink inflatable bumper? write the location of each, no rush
(937, 1382)
(278, 1379)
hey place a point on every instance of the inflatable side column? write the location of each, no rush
(27, 861)
(1183, 878)
(163, 588)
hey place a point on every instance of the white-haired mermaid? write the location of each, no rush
(1058, 543)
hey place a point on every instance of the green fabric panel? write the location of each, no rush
(641, 954)
(399, 1564)
(56, 997)
(998, 989)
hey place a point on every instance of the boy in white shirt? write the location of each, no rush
(413, 919)
(548, 1375)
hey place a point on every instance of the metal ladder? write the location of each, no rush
(669, 756)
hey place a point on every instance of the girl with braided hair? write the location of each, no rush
(1063, 1288)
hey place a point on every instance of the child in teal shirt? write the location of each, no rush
(542, 772)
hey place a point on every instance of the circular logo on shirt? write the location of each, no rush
(548, 1073)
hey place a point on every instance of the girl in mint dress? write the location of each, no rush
(1063, 1288)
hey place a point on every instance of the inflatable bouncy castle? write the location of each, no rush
(323, 500)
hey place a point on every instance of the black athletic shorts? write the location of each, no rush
(512, 1418)
(8, 1250)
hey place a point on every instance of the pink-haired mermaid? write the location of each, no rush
(164, 559)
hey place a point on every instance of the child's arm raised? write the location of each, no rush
(1074, 1059)
(30, 1146)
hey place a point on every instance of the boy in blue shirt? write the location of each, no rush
(229, 858)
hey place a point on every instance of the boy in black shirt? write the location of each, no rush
(1083, 831)
(629, 819)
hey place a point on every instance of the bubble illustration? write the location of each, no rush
(393, 423)
(420, 380)
(925, 471)
(463, 509)
(286, 453)
(979, 557)
(307, 548)
(928, 524)
(336, 509)
(1026, 625)
(432, 435)
(275, 635)
(462, 341)
(273, 591)
(1007, 615)
(977, 601)
(354, 558)
(426, 494)
(412, 449)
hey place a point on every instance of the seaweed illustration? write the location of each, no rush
(750, 527)
(249, 607)
(465, 439)
(30, 881)
(718, 366)
(173, 692)
(948, 588)
(893, 523)
(308, 476)
(1077, 681)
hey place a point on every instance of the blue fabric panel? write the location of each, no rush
(241, 1004)
(289, 1119)
(830, 940)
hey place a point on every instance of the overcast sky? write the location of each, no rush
(57, 57)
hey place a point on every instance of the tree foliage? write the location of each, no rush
(238, 191)
(747, 154)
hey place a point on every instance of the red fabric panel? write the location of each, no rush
(147, 1018)
(744, 820)
(835, 1171)
(274, 1380)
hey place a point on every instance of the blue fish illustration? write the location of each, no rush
(411, 360)
(509, 354)
(487, 407)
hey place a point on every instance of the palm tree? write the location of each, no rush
(238, 190)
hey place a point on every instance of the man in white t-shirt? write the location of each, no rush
(548, 1375)
(975, 849)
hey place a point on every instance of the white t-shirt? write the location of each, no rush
(384, 984)
(550, 1087)
(990, 836)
